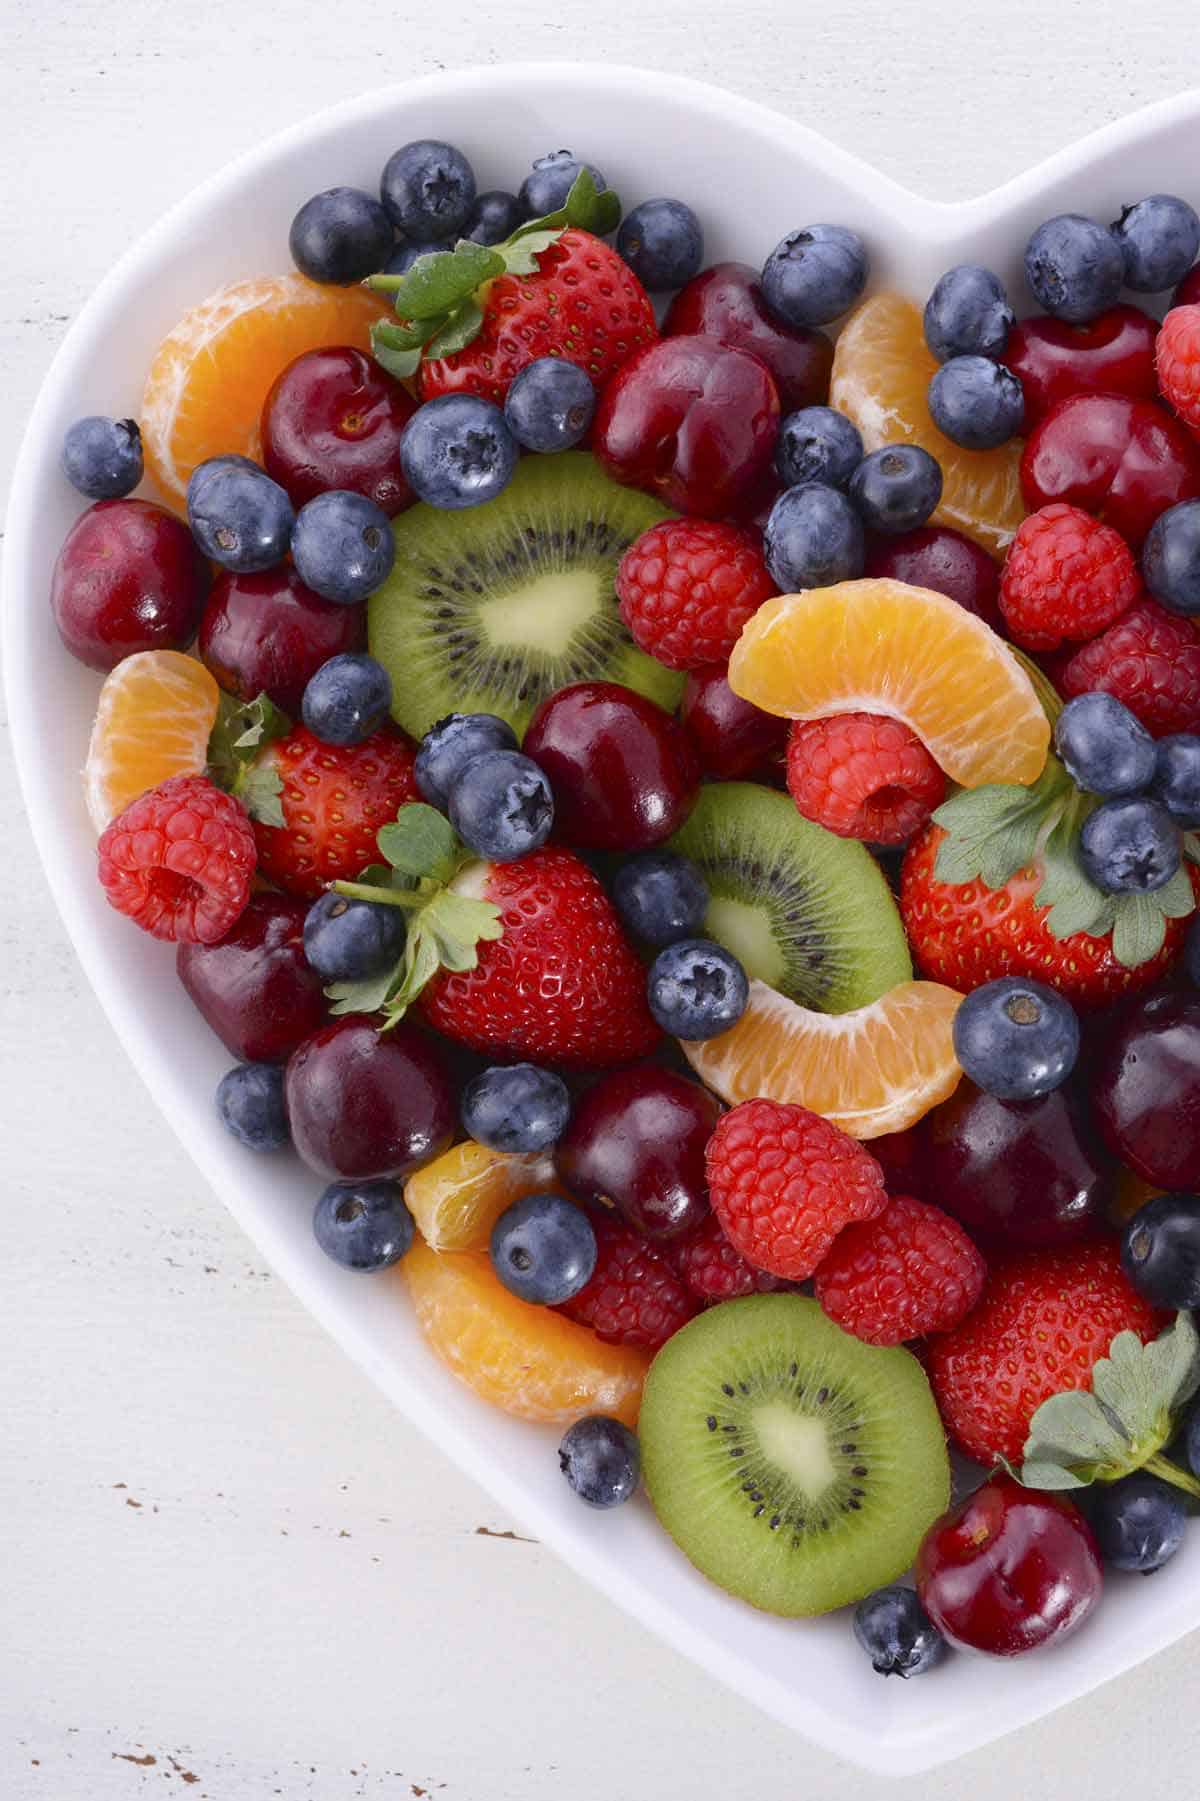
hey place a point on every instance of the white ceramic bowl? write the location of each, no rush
(753, 176)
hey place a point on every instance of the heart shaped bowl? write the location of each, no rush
(754, 175)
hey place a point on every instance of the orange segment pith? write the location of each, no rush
(457, 1199)
(878, 1069)
(527, 1360)
(210, 375)
(156, 711)
(882, 367)
(879, 646)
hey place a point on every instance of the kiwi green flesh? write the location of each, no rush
(490, 609)
(806, 912)
(795, 1466)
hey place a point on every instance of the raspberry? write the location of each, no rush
(713, 1270)
(1177, 358)
(783, 1183)
(634, 1296)
(688, 586)
(910, 1271)
(179, 861)
(862, 775)
(1150, 659)
(1067, 576)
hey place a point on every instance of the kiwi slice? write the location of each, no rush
(796, 1466)
(491, 609)
(806, 912)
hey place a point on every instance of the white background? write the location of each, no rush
(225, 1563)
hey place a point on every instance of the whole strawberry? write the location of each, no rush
(1042, 1321)
(688, 586)
(634, 1296)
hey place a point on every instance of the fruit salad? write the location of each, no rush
(677, 787)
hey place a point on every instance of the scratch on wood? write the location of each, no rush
(144, 1763)
(516, 1537)
(130, 1502)
(188, 1776)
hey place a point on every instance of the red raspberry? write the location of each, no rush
(911, 1271)
(783, 1182)
(1177, 358)
(1150, 659)
(688, 586)
(179, 861)
(1067, 576)
(862, 775)
(713, 1270)
(634, 1296)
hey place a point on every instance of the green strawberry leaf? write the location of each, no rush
(242, 731)
(260, 790)
(459, 329)
(585, 208)
(1076, 904)
(421, 842)
(521, 252)
(367, 996)
(993, 831)
(437, 283)
(1191, 847)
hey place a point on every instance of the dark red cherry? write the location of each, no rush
(1113, 354)
(334, 419)
(1188, 291)
(726, 302)
(1146, 1089)
(269, 634)
(636, 1141)
(734, 740)
(254, 987)
(128, 577)
(937, 557)
(1126, 461)
(365, 1103)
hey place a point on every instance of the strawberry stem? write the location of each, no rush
(384, 897)
(1166, 1471)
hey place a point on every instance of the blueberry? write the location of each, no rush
(897, 488)
(340, 236)
(405, 255)
(428, 189)
(896, 1633)
(1158, 240)
(102, 458)
(545, 189)
(1160, 1250)
(663, 243)
(1016, 1039)
(250, 1104)
(813, 537)
(1074, 267)
(601, 1460)
(501, 806)
(968, 314)
(696, 989)
(363, 1225)
(238, 515)
(449, 746)
(1171, 558)
(494, 217)
(1177, 778)
(347, 940)
(1130, 846)
(1139, 1522)
(818, 444)
(549, 404)
(516, 1107)
(661, 897)
(347, 699)
(342, 546)
(977, 403)
(1105, 749)
(543, 1249)
(457, 451)
(815, 275)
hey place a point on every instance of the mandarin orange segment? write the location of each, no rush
(530, 1361)
(880, 646)
(878, 1069)
(210, 376)
(157, 709)
(457, 1199)
(881, 372)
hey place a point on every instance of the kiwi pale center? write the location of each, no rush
(797, 1444)
(794, 1449)
(548, 611)
(745, 929)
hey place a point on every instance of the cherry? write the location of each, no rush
(1009, 1569)
(1016, 1172)
(1146, 1089)
(1113, 354)
(636, 1140)
(726, 302)
(254, 987)
(365, 1103)
(128, 577)
(733, 739)
(334, 419)
(1124, 460)
(269, 634)
(1188, 291)
(624, 773)
(944, 560)
(692, 421)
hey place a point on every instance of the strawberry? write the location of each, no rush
(470, 319)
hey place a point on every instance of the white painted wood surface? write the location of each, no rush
(226, 1563)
